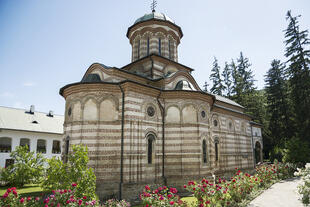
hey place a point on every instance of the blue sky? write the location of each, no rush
(45, 45)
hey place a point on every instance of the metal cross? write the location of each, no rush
(153, 5)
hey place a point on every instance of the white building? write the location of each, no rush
(42, 132)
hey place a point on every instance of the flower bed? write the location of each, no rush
(58, 198)
(223, 192)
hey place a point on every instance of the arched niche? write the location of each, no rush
(173, 115)
(90, 112)
(108, 110)
(76, 111)
(189, 114)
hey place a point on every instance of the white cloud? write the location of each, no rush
(7, 95)
(29, 84)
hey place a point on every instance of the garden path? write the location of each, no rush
(282, 194)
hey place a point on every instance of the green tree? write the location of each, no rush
(280, 123)
(60, 175)
(227, 79)
(298, 54)
(27, 167)
(215, 77)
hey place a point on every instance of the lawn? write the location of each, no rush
(32, 190)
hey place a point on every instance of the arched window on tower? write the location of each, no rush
(159, 46)
(24, 142)
(150, 148)
(204, 151)
(170, 49)
(138, 49)
(148, 46)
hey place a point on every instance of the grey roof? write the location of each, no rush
(226, 100)
(154, 15)
(21, 119)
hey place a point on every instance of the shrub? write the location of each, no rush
(304, 188)
(60, 175)
(116, 203)
(162, 196)
(296, 151)
(27, 167)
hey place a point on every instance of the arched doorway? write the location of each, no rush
(258, 152)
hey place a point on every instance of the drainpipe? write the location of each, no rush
(253, 150)
(163, 136)
(122, 143)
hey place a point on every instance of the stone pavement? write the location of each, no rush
(282, 194)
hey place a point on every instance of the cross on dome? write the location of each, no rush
(153, 5)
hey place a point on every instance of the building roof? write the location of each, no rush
(23, 120)
(154, 15)
(226, 100)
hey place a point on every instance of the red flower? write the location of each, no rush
(73, 184)
(169, 195)
(22, 200)
(84, 197)
(147, 187)
(184, 186)
(171, 202)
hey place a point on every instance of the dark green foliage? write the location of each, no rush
(60, 175)
(298, 55)
(215, 77)
(227, 79)
(27, 168)
(279, 109)
(296, 151)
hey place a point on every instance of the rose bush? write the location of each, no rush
(162, 196)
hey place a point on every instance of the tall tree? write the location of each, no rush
(280, 123)
(215, 77)
(243, 79)
(298, 54)
(227, 79)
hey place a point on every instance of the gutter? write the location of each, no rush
(122, 144)
(163, 137)
(253, 149)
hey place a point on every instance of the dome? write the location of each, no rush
(154, 15)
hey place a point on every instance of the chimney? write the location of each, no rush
(31, 109)
(50, 113)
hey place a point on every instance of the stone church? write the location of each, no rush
(149, 121)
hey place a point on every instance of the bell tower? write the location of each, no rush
(154, 33)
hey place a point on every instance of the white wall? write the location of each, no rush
(33, 136)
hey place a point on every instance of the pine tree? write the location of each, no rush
(299, 59)
(215, 77)
(280, 124)
(227, 79)
(243, 80)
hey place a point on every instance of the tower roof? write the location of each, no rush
(154, 15)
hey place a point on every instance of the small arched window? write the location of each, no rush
(215, 123)
(41, 146)
(138, 49)
(170, 49)
(216, 146)
(204, 151)
(24, 142)
(148, 46)
(150, 148)
(159, 46)
(5, 144)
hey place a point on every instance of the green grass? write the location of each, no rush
(32, 190)
(190, 201)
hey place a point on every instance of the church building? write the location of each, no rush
(149, 122)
